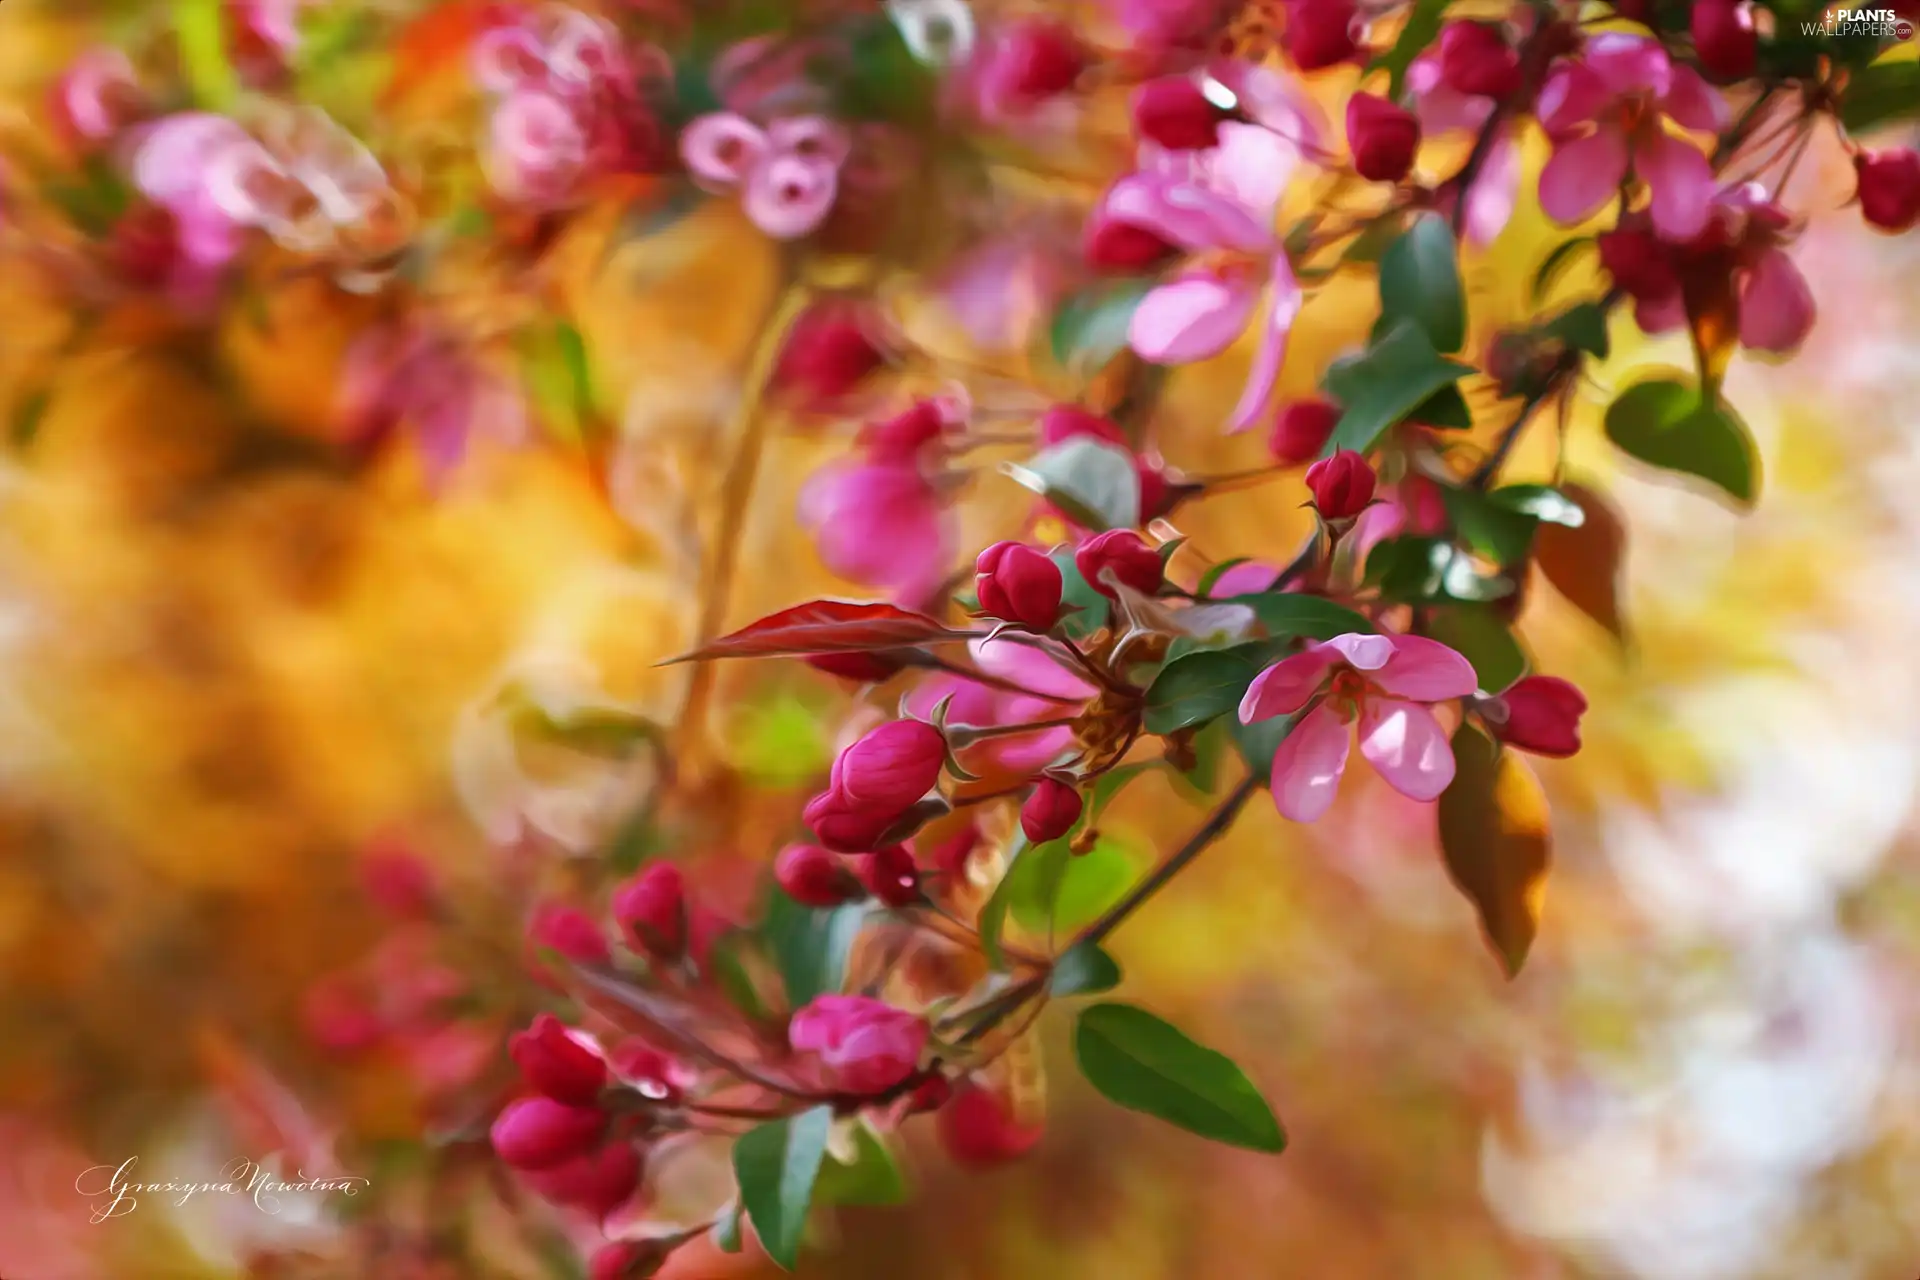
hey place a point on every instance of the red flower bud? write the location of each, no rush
(1639, 262)
(1033, 60)
(815, 877)
(1175, 113)
(891, 767)
(339, 1019)
(1124, 249)
(1724, 38)
(865, 1046)
(1889, 187)
(597, 1183)
(1050, 811)
(554, 1062)
(397, 879)
(867, 668)
(978, 1130)
(144, 245)
(1302, 430)
(828, 352)
(1475, 59)
(539, 1133)
(845, 828)
(1383, 138)
(1319, 33)
(1342, 485)
(891, 875)
(571, 932)
(651, 909)
(949, 857)
(902, 437)
(1125, 555)
(1018, 584)
(1540, 714)
(929, 1095)
(628, 1260)
(653, 1074)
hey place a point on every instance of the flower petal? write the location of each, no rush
(1682, 184)
(1195, 317)
(1283, 307)
(1361, 652)
(1252, 167)
(1571, 96)
(1308, 765)
(1694, 104)
(1426, 671)
(1185, 213)
(1661, 313)
(722, 148)
(1284, 687)
(1407, 746)
(1776, 306)
(1495, 191)
(1626, 63)
(790, 195)
(1583, 175)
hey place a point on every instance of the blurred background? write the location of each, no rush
(244, 691)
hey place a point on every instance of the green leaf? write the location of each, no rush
(1582, 327)
(776, 1164)
(1146, 1064)
(1446, 409)
(1031, 871)
(780, 741)
(1420, 281)
(1090, 328)
(1670, 425)
(873, 1177)
(1411, 569)
(1086, 885)
(1887, 91)
(199, 27)
(1478, 635)
(1083, 969)
(1210, 746)
(1496, 842)
(727, 966)
(1077, 591)
(810, 945)
(1386, 384)
(726, 1229)
(1095, 484)
(554, 364)
(1498, 532)
(1556, 262)
(885, 81)
(1196, 688)
(1423, 24)
(1543, 502)
(1292, 614)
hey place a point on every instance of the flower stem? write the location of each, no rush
(1212, 829)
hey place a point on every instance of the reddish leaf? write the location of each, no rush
(828, 626)
(1583, 564)
(1494, 834)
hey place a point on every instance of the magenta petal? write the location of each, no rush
(1252, 166)
(171, 162)
(1776, 307)
(1571, 96)
(1361, 652)
(1694, 104)
(722, 148)
(1407, 746)
(1284, 687)
(1661, 313)
(879, 525)
(1495, 191)
(1583, 175)
(1283, 307)
(1626, 63)
(1308, 765)
(789, 195)
(1185, 214)
(1682, 185)
(1426, 671)
(1195, 317)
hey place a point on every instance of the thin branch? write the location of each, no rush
(1212, 829)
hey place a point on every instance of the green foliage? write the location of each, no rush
(199, 28)
(1420, 281)
(1886, 92)
(776, 1165)
(1078, 592)
(872, 1177)
(1477, 633)
(810, 945)
(1090, 328)
(1413, 569)
(1422, 25)
(1146, 1064)
(1083, 969)
(1195, 688)
(1380, 388)
(1669, 424)
(1092, 482)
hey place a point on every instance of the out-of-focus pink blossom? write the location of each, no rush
(1054, 691)
(1605, 112)
(395, 374)
(788, 174)
(1387, 683)
(97, 96)
(1441, 109)
(865, 1046)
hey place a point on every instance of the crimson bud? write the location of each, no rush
(652, 911)
(1540, 714)
(571, 932)
(599, 1182)
(1125, 555)
(655, 1075)
(1724, 38)
(891, 875)
(1175, 113)
(1342, 485)
(1476, 60)
(1034, 59)
(828, 353)
(1050, 811)
(1019, 584)
(1319, 33)
(867, 1046)
(814, 877)
(1123, 248)
(875, 784)
(1302, 430)
(1383, 137)
(539, 1133)
(628, 1260)
(978, 1129)
(1889, 187)
(556, 1064)
(949, 857)
(1639, 261)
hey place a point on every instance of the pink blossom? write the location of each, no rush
(201, 168)
(788, 174)
(266, 34)
(536, 147)
(881, 518)
(97, 95)
(1442, 109)
(1388, 683)
(866, 1046)
(1053, 691)
(395, 374)
(1606, 114)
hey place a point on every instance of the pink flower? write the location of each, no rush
(1247, 579)
(1441, 109)
(1053, 691)
(1050, 811)
(1158, 25)
(1222, 213)
(1018, 584)
(1606, 114)
(789, 174)
(882, 518)
(97, 95)
(202, 168)
(559, 1062)
(891, 767)
(866, 1046)
(536, 147)
(396, 374)
(651, 910)
(265, 35)
(1388, 683)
